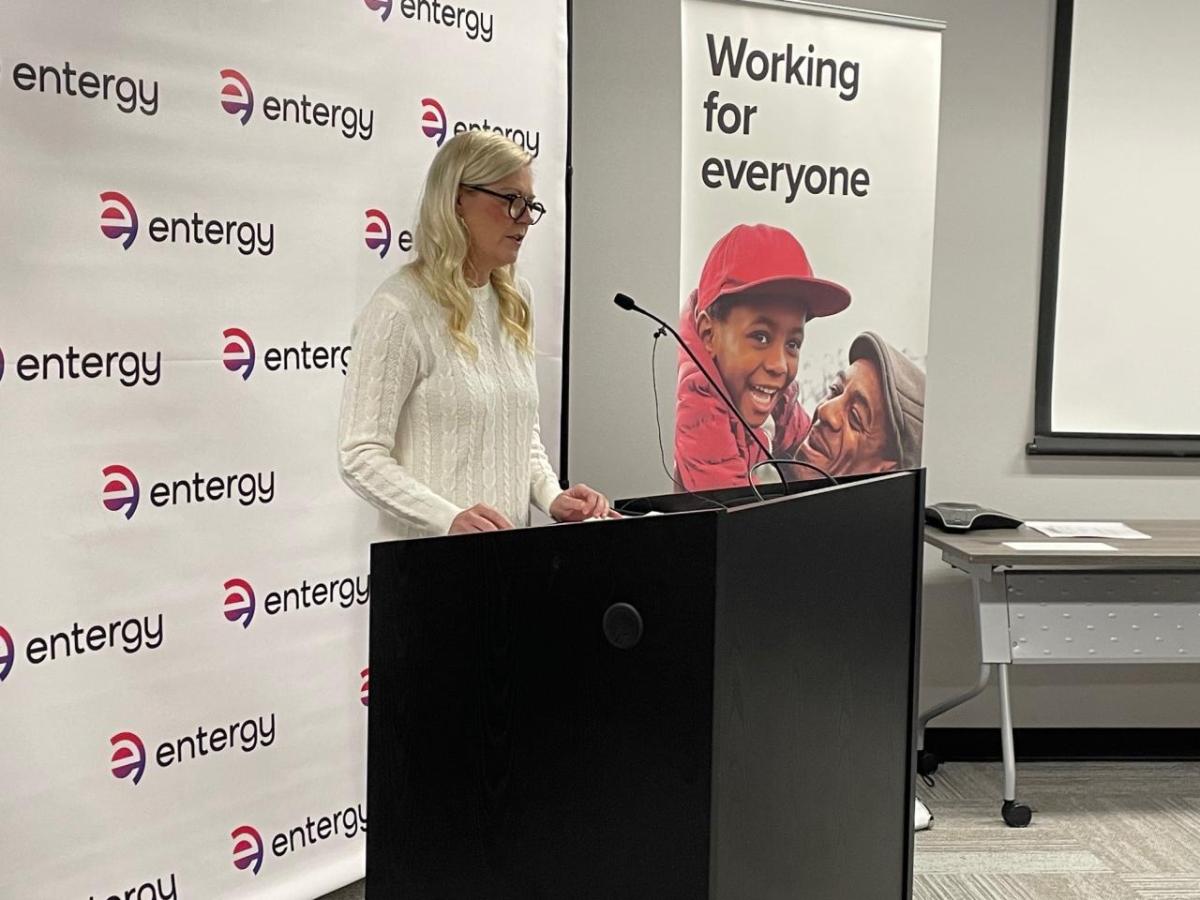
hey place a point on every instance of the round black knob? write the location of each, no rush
(622, 626)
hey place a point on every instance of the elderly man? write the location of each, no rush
(873, 416)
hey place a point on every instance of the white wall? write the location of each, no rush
(983, 333)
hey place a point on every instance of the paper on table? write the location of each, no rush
(1061, 546)
(1112, 530)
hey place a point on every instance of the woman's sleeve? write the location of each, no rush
(544, 486)
(383, 368)
(543, 482)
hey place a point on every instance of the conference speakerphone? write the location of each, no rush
(967, 517)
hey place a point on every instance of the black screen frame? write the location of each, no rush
(1046, 440)
(564, 400)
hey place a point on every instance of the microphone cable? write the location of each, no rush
(627, 303)
(787, 462)
(624, 301)
(662, 454)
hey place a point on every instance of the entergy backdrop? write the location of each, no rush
(198, 198)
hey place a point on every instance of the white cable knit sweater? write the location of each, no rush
(425, 430)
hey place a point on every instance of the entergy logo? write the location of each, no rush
(378, 236)
(239, 354)
(129, 756)
(8, 653)
(237, 98)
(433, 120)
(380, 6)
(121, 491)
(239, 601)
(118, 219)
(247, 848)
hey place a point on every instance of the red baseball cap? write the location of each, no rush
(762, 259)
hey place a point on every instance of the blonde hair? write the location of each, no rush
(442, 241)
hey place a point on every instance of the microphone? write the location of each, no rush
(627, 303)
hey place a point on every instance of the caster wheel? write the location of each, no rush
(1016, 815)
(927, 763)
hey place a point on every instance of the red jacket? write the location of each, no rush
(712, 449)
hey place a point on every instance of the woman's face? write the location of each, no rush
(495, 238)
(850, 431)
(756, 347)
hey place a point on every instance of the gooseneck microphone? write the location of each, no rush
(627, 303)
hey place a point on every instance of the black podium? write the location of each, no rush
(709, 704)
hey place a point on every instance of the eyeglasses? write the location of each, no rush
(517, 205)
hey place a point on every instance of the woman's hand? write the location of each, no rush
(479, 517)
(580, 502)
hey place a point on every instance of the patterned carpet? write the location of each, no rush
(1100, 831)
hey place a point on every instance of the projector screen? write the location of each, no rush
(1118, 367)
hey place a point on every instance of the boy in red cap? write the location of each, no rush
(748, 315)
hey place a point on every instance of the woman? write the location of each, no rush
(439, 413)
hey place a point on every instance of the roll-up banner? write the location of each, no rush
(809, 163)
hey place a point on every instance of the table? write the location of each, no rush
(1139, 603)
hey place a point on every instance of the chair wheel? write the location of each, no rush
(927, 763)
(1016, 815)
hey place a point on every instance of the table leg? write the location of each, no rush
(1015, 814)
(927, 763)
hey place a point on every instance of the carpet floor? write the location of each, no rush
(1100, 831)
